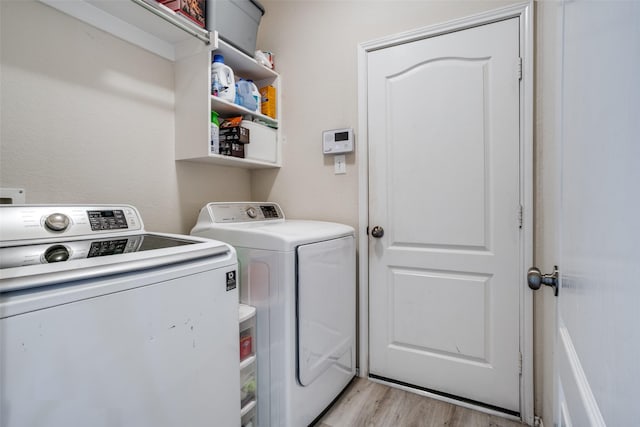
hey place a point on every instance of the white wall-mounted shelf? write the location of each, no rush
(194, 104)
(144, 23)
(236, 162)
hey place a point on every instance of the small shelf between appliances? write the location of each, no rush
(248, 407)
(247, 362)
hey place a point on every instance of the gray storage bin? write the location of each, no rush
(236, 22)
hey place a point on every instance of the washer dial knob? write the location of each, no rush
(252, 212)
(57, 222)
(56, 253)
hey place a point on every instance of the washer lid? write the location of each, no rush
(34, 265)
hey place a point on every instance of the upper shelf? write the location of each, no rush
(144, 23)
(242, 64)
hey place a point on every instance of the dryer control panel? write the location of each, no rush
(244, 212)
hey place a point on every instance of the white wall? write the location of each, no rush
(315, 45)
(88, 118)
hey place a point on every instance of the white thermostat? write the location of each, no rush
(337, 141)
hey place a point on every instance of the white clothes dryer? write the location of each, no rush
(300, 275)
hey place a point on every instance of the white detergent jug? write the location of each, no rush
(245, 96)
(223, 83)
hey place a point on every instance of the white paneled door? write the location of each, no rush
(444, 190)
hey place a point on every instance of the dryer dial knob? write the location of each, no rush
(252, 212)
(57, 222)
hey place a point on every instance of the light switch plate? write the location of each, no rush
(339, 164)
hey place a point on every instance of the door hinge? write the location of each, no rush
(519, 68)
(521, 216)
(367, 230)
(520, 363)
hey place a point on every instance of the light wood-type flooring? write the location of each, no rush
(369, 404)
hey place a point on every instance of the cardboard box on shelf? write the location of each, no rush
(233, 149)
(246, 348)
(237, 134)
(194, 10)
(268, 105)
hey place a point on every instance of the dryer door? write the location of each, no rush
(326, 308)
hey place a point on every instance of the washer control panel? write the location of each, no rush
(54, 252)
(27, 222)
(244, 212)
(107, 219)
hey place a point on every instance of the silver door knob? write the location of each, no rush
(377, 232)
(535, 279)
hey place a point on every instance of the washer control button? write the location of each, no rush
(252, 212)
(57, 222)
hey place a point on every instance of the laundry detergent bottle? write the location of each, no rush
(244, 96)
(255, 93)
(215, 133)
(222, 79)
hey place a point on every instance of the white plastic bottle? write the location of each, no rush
(215, 133)
(223, 75)
(255, 93)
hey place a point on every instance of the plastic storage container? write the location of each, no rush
(263, 144)
(248, 366)
(247, 332)
(248, 385)
(249, 419)
(236, 22)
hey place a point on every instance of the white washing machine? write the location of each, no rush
(105, 324)
(300, 275)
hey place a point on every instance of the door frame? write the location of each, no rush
(523, 11)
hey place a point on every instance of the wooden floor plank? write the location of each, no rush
(369, 404)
